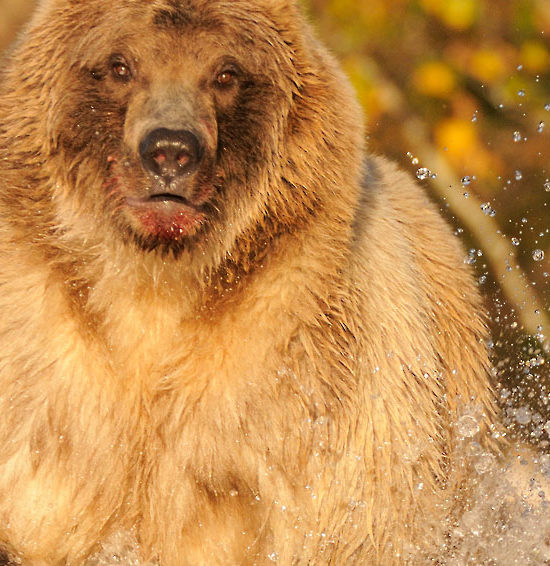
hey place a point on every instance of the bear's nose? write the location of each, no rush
(170, 153)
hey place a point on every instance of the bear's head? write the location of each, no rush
(180, 126)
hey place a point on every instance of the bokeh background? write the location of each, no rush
(458, 92)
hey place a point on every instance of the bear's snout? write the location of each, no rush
(171, 154)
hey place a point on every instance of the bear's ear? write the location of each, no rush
(287, 7)
(288, 13)
(43, 6)
(54, 3)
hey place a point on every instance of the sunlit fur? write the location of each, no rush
(280, 384)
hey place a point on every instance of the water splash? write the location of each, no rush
(120, 549)
(538, 255)
(487, 209)
(424, 173)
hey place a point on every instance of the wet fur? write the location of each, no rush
(277, 385)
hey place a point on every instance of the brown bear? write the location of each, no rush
(229, 335)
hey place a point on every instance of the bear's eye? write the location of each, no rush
(120, 69)
(226, 78)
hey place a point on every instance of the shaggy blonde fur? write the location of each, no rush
(281, 383)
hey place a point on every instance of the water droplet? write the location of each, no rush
(487, 209)
(521, 92)
(518, 175)
(538, 255)
(540, 127)
(414, 160)
(515, 242)
(485, 462)
(467, 426)
(547, 186)
(273, 556)
(547, 107)
(517, 136)
(423, 173)
(474, 117)
(466, 180)
(523, 415)
(470, 259)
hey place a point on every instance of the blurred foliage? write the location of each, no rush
(475, 74)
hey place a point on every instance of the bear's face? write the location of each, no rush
(173, 115)
(206, 128)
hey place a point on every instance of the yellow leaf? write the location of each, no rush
(459, 14)
(434, 78)
(458, 139)
(534, 56)
(457, 135)
(487, 65)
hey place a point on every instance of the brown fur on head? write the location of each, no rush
(86, 123)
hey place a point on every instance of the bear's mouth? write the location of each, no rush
(168, 210)
(165, 204)
(165, 216)
(169, 197)
(160, 199)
